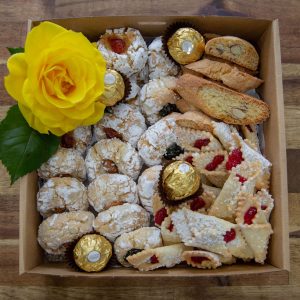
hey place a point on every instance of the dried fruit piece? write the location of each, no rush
(132, 252)
(171, 226)
(218, 159)
(160, 216)
(249, 128)
(197, 203)
(173, 151)
(67, 140)
(241, 178)
(234, 159)
(201, 143)
(167, 109)
(154, 259)
(249, 215)
(189, 159)
(112, 133)
(264, 207)
(198, 259)
(229, 235)
(117, 45)
(109, 166)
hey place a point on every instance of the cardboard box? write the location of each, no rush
(265, 35)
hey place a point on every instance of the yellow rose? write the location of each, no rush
(58, 80)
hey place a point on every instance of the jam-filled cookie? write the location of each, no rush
(57, 231)
(202, 259)
(159, 63)
(65, 162)
(112, 156)
(124, 50)
(136, 241)
(168, 232)
(59, 195)
(120, 219)
(127, 121)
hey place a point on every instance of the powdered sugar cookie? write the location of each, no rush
(112, 156)
(266, 202)
(148, 186)
(168, 232)
(157, 98)
(135, 241)
(124, 50)
(65, 162)
(250, 133)
(159, 63)
(120, 219)
(126, 120)
(210, 161)
(156, 139)
(224, 132)
(59, 195)
(111, 189)
(79, 139)
(60, 229)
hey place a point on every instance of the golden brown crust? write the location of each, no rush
(222, 103)
(185, 106)
(209, 260)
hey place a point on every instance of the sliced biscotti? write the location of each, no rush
(227, 73)
(220, 102)
(235, 50)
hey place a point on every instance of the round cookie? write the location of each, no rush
(124, 50)
(120, 219)
(148, 186)
(155, 95)
(159, 63)
(126, 120)
(60, 229)
(58, 195)
(140, 239)
(65, 162)
(112, 156)
(156, 139)
(111, 189)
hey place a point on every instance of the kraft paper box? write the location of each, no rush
(265, 35)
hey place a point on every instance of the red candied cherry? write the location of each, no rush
(229, 235)
(234, 159)
(218, 159)
(189, 159)
(198, 259)
(171, 226)
(154, 259)
(264, 207)
(249, 215)
(249, 128)
(67, 140)
(197, 203)
(201, 143)
(241, 178)
(160, 216)
(117, 45)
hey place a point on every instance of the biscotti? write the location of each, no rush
(235, 50)
(227, 73)
(222, 103)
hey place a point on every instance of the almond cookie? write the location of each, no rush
(235, 50)
(124, 119)
(112, 156)
(159, 63)
(79, 139)
(226, 73)
(57, 231)
(155, 141)
(111, 189)
(157, 98)
(222, 103)
(147, 186)
(135, 241)
(185, 106)
(65, 162)
(150, 259)
(120, 219)
(124, 50)
(59, 195)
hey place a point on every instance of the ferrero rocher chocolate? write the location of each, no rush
(180, 180)
(114, 88)
(186, 45)
(92, 252)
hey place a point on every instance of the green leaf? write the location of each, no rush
(23, 149)
(15, 50)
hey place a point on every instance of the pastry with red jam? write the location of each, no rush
(168, 232)
(124, 50)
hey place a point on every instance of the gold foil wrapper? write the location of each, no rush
(186, 45)
(180, 180)
(114, 88)
(92, 252)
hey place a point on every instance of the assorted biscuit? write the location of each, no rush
(174, 172)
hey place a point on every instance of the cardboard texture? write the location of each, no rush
(265, 36)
